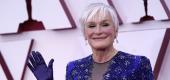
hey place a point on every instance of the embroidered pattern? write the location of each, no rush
(123, 66)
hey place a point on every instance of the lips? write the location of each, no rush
(99, 38)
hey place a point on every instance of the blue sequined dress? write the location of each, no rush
(123, 66)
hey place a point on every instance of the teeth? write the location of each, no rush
(100, 38)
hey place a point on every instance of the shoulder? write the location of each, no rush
(77, 63)
(129, 56)
(74, 67)
(137, 61)
(141, 65)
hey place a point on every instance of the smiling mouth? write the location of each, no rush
(99, 38)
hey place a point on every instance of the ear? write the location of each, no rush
(85, 37)
(116, 33)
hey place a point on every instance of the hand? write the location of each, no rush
(39, 68)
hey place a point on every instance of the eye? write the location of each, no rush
(91, 26)
(105, 24)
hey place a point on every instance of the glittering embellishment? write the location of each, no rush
(86, 70)
(107, 75)
(123, 66)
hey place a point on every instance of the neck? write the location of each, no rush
(103, 55)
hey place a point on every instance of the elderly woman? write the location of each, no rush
(100, 28)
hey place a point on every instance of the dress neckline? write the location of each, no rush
(116, 55)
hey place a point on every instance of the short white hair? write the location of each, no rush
(100, 8)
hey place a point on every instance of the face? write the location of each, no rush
(100, 32)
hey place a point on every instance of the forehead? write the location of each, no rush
(99, 16)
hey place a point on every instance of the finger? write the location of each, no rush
(50, 65)
(40, 58)
(50, 68)
(35, 56)
(30, 57)
(30, 67)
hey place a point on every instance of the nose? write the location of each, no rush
(98, 30)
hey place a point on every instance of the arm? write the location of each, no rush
(39, 68)
(146, 69)
(69, 69)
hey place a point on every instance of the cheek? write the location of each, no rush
(109, 32)
(87, 33)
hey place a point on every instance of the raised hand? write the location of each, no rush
(39, 68)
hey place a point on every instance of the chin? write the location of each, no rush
(102, 44)
(99, 46)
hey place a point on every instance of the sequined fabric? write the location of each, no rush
(123, 66)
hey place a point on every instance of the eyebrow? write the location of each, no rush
(105, 20)
(91, 22)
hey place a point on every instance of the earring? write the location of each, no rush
(117, 41)
(86, 42)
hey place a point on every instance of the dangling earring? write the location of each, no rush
(86, 42)
(117, 41)
(115, 38)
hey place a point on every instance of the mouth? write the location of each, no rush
(99, 38)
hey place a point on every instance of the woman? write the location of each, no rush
(100, 28)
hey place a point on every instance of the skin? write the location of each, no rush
(100, 34)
